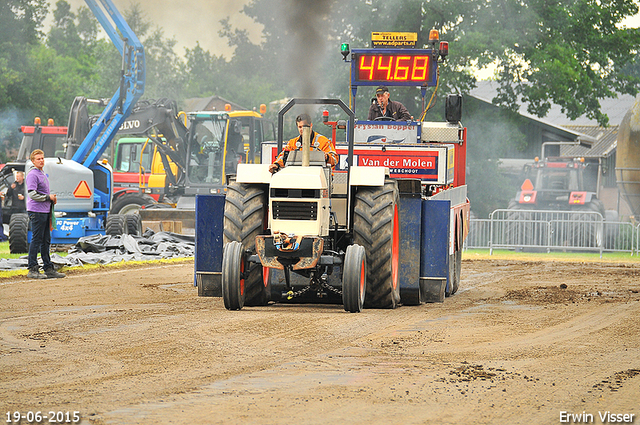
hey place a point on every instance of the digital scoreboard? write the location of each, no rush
(394, 67)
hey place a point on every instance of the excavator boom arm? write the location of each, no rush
(131, 84)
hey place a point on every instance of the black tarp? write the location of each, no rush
(102, 249)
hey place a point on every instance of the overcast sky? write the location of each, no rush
(189, 21)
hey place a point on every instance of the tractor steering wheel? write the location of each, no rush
(384, 119)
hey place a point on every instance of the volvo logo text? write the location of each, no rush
(128, 125)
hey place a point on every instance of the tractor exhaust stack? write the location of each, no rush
(306, 145)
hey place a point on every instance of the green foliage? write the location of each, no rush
(64, 37)
(50, 82)
(203, 69)
(20, 23)
(570, 52)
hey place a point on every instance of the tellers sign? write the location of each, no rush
(393, 67)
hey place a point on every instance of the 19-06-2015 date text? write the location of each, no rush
(48, 417)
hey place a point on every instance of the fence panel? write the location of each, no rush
(620, 237)
(478, 234)
(552, 230)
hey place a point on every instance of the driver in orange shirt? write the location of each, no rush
(318, 141)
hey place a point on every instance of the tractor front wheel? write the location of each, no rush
(354, 279)
(232, 281)
(245, 215)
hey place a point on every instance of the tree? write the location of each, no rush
(20, 34)
(63, 36)
(20, 23)
(570, 52)
(202, 68)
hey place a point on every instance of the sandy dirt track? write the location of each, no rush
(520, 343)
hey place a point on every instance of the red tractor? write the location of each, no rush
(555, 207)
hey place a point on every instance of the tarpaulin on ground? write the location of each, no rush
(103, 249)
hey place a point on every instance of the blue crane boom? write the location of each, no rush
(131, 85)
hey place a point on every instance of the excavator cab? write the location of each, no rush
(218, 142)
(206, 149)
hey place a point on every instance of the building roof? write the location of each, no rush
(605, 141)
(615, 108)
(487, 90)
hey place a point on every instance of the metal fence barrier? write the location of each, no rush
(552, 231)
(479, 231)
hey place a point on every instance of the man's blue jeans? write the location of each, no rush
(40, 240)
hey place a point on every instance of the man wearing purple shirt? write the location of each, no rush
(39, 207)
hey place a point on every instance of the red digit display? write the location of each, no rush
(404, 67)
(367, 66)
(385, 64)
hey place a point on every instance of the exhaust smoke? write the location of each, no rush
(306, 22)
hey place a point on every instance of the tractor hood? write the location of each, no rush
(299, 178)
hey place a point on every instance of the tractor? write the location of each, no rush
(384, 227)
(302, 222)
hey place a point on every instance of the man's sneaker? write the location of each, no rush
(35, 274)
(52, 274)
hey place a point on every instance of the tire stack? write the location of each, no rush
(123, 224)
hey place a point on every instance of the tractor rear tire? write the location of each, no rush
(455, 268)
(354, 279)
(18, 233)
(244, 219)
(587, 231)
(116, 225)
(376, 227)
(233, 285)
(134, 224)
(596, 229)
